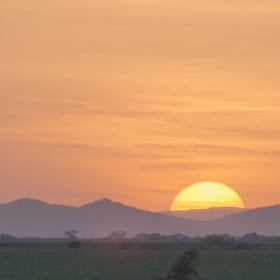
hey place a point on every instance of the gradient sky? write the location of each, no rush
(136, 100)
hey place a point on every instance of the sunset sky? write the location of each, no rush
(135, 100)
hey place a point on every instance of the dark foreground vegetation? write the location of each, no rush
(185, 267)
(127, 259)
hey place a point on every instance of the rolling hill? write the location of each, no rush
(263, 221)
(33, 218)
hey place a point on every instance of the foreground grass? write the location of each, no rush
(239, 265)
(101, 264)
(112, 263)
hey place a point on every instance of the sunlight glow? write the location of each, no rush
(206, 195)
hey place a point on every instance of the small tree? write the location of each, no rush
(184, 269)
(219, 240)
(252, 238)
(71, 235)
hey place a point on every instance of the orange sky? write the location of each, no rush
(136, 100)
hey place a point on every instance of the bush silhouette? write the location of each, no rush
(72, 234)
(184, 269)
(218, 240)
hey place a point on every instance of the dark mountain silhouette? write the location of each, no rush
(34, 218)
(205, 214)
(263, 221)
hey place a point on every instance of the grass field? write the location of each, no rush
(239, 265)
(133, 264)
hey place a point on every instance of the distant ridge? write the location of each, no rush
(205, 214)
(263, 220)
(35, 218)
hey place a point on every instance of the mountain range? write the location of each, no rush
(34, 218)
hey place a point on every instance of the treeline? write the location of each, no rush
(215, 240)
(239, 242)
(7, 237)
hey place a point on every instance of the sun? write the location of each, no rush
(206, 195)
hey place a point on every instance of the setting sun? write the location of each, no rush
(206, 195)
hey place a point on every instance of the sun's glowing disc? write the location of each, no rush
(206, 195)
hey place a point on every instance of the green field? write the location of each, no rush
(142, 263)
